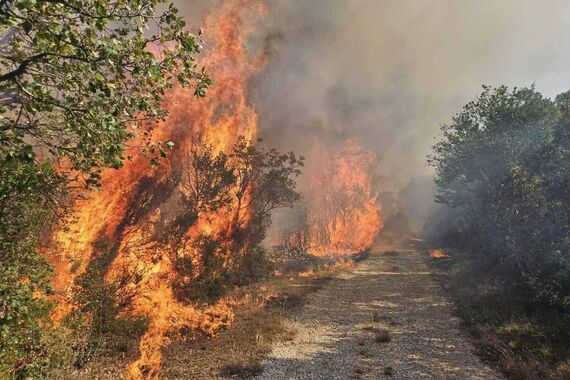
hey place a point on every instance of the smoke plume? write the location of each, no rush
(390, 72)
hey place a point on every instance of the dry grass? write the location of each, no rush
(376, 317)
(241, 371)
(523, 341)
(239, 351)
(382, 336)
(563, 370)
(364, 353)
(359, 371)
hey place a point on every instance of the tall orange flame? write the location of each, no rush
(342, 211)
(127, 215)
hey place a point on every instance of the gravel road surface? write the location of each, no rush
(342, 328)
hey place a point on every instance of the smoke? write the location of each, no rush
(388, 73)
(391, 72)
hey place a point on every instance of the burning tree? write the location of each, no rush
(78, 79)
(249, 181)
(171, 230)
(341, 211)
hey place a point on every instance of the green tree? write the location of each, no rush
(503, 165)
(28, 343)
(265, 179)
(78, 80)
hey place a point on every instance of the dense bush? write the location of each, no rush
(503, 164)
(503, 169)
(27, 338)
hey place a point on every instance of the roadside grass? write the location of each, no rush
(260, 321)
(241, 371)
(384, 318)
(380, 334)
(524, 338)
(239, 351)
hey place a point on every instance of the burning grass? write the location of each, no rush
(260, 319)
(238, 352)
(322, 267)
(438, 254)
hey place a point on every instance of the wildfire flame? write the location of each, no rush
(125, 218)
(342, 211)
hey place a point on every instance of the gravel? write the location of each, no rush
(338, 328)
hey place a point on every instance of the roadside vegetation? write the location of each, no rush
(261, 319)
(82, 83)
(77, 82)
(502, 170)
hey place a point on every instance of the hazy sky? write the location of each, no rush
(390, 72)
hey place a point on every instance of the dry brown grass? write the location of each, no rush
(239, 351)
(241, 370)
(524, 343)
(376, 317)
(563, 370)
(382, 336)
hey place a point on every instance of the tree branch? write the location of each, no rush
(20, 70)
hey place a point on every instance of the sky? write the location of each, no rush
(388, 73)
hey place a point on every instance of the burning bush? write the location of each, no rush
(341, 213)
(182, 230)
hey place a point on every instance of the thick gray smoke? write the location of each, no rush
(390, 72)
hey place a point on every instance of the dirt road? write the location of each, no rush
(343, 329)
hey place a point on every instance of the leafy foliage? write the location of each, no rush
(27, 339)
(265, 179)
(78, 80)
(503, 168)
(503, 163)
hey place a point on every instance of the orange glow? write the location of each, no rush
(438, 254)
(137, 203)
(343, 213)
(344, 264)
